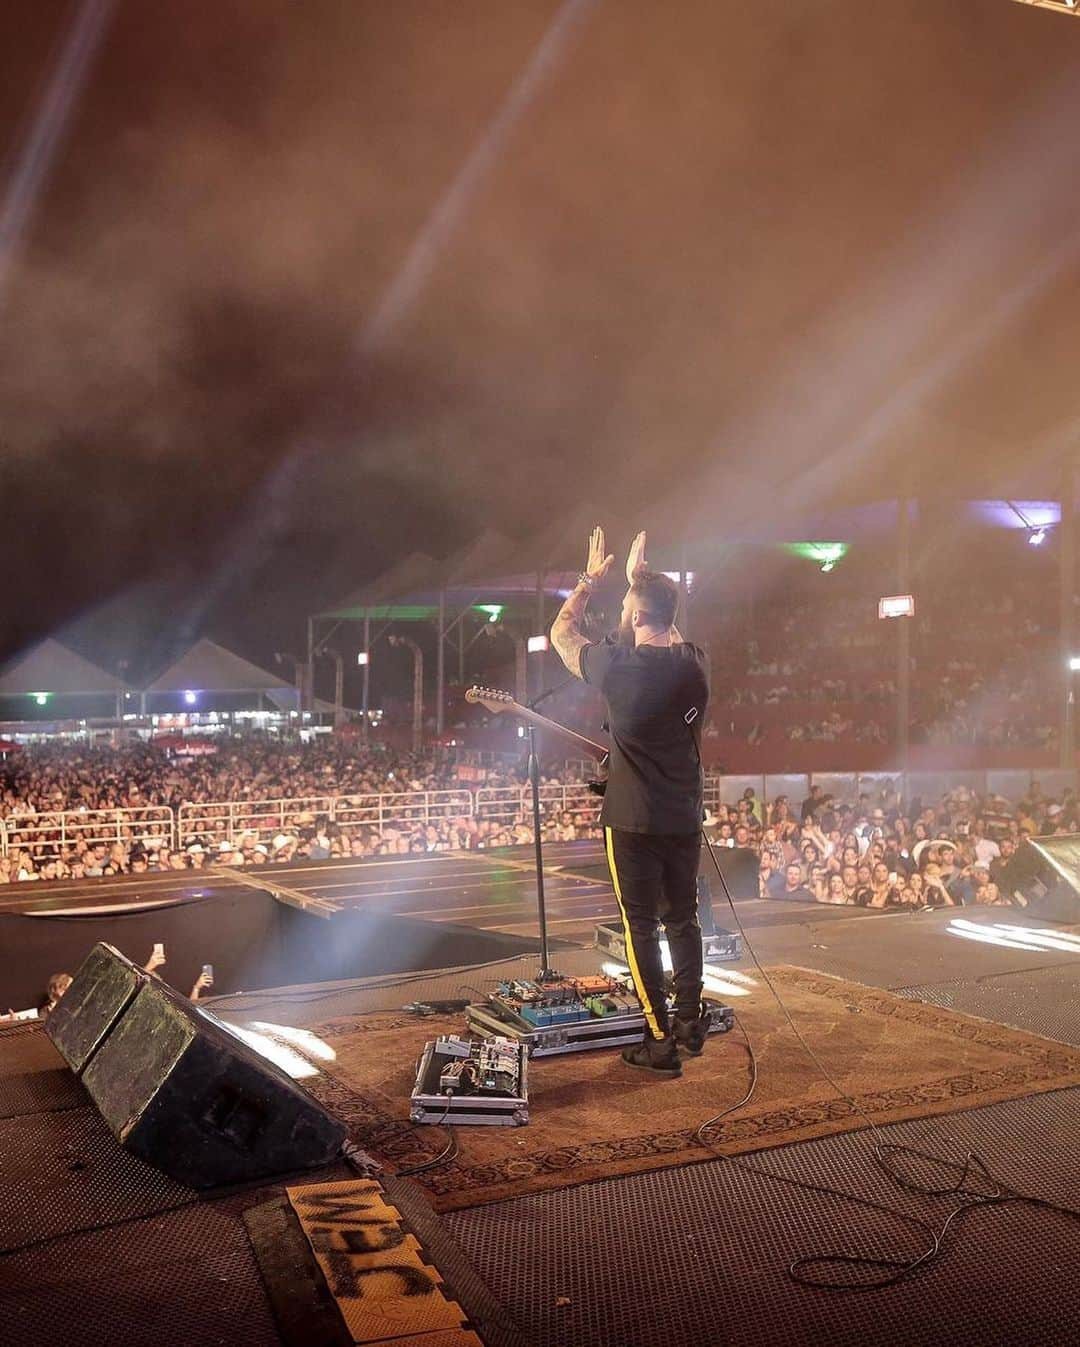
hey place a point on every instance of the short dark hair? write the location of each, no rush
(658, 598)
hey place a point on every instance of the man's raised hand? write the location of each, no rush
(635, 561)
(598, 563)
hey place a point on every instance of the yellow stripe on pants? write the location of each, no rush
(631, 956)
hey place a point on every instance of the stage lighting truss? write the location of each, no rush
(1060, 6)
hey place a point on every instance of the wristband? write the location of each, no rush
(587, 580)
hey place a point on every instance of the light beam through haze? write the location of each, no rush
(33, 162)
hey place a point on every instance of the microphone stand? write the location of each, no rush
(546, 973)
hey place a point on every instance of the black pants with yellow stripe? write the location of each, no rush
(655, 879)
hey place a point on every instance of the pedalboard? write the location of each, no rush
(458, 1081)
(570, 1015)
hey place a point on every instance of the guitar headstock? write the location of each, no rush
(493, 699)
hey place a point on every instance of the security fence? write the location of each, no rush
(231, 820)
(48, 834)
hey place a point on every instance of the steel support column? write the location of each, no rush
(521, 670)
(538, 629)
(1066, 619)
(440, 667)
(367, 676)
(339, 688)
(903, 635)
(684, 598)
(309, 670)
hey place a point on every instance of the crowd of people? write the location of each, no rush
(58, 984)
(121, 792)
(991, 683)
(880, 851)
(810, 687)
(874, 852)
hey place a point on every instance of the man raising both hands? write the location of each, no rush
(656, 686)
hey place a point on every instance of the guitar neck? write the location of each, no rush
(598, 751)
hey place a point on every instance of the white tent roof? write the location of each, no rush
(208, 667)
(53, 668)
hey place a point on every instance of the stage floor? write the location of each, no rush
(496, 891)
(697, 1255)
(491, 890)
(690, 1255)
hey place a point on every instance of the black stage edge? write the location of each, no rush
(252, 941)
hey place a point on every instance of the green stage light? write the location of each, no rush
(41, 698)
(494, 611)
(825, 554)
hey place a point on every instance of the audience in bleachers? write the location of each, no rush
(788, 670)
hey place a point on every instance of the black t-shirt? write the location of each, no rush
(798, 895)
(654, 775)
(741, 866)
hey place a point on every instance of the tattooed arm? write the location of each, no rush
(566, 633)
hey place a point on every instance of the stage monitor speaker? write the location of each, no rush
(1054, 886)
(100, 993)
(178, 1088)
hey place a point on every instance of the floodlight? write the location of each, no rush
(1037, 537)
(363, 657)
(1074, 663)
(537, 645)
(896, 605)
(191, 698)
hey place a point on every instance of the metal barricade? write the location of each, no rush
(582, 806)
(501, 807)
(48, 834)
(358, 811)
(203, 820)
(228, 820)
(498, 804)
(410, 808)
(452, 803)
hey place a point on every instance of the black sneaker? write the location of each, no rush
(658, 1055)
(690, 1034)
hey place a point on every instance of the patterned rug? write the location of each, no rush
(591, 1117)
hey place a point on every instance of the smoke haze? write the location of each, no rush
(722, 249)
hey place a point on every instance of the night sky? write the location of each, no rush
(308, 286)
